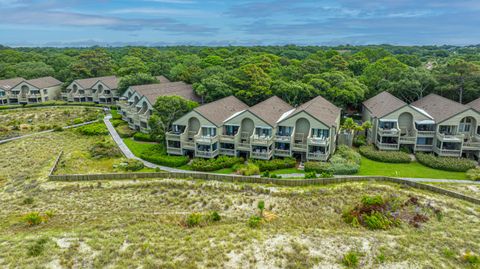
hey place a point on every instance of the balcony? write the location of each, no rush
(299, 147)
(282, 152)
(389, 132)
(283, 138)
(174, 151)
(317, 156)
(264, 155)
(227, 138)
(206, 139)
(447, 152)
(321, 141)
(426, 133)
(387, 146)
(261, 140)
(424, 147)
(186, 144)
(173, 136)
(206, 154)
(472, 144)
(408, 139)
(450, 137)
(228, 152)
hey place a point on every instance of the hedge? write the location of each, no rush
(275, 164)
(143, 137)
(165, 160)
(117, 122)
(318, 167)
(474, 174)
(384, 156)
(345, 161)
(445, 163)
(207, 165)
(124, 131)
(93, 129)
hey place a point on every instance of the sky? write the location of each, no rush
(238, 22)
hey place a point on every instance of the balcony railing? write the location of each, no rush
(283, 138)
(388, 132)
(206, 139)
(448, 152)
(188, 144)
(424, 147)
(206, 154)
(426, 133)
(299, 146)
(173, 136)
(175, 151)
(387, 146)
(227, 138)
(243, 145)
(319, 156)
(408, 139)
(471, 144)
(229, 152)
(318, 140)
(443, 137)
(265, 155)
(282, 152)
(261, 140)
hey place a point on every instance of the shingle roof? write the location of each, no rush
(87, 83)
(321, 109)
(440, 108)
(8, 84)
(44, 82)
(218, 111)
(162, 79)
(383, 104)
(270, 110)
(153, 91)
(475, 104)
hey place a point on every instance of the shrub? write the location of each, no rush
(350, 259)
(275, 164)
(471, 258)
(131, 165)
(57, 128)
(318, 167)
(104, 150)
(384, 156)
(78, 120)
(372, 200)
(214, 216)
(118, 122)
(93, 129)
(37, 247)
(254, 221)
(359, 140)
(310, 175)
(267, 174)
(193, 220)
(143, 137)
(376, 221)
(445, 163)
(115, 115)
(474, 174)
(247, 169)
(344, 167)
(220, 162)
(124, 131)
(165, 160)
(33, 219)
(348, 154)
(326, 175)
(27, 201)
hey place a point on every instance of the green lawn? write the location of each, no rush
(138, 147)
(414, 169)
(287, 171)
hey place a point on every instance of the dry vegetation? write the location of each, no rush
(16, 122)
(472, 190)
(141, 223)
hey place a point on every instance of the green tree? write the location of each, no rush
(459, 79)
(379, 75)
(135, 79)
(29, 70)
(414, 84)
(252, 82)
(92, 63)
(212, 88)
(293, 92)
(166, 110)
(130, 65)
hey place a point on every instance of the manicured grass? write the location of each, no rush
(225, 171)
(287, 171)
(413, 169)
(138, 147)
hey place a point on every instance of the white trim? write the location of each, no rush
(285, 115)
(422, 111)
(234, 115)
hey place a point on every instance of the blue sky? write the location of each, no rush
(208, 22)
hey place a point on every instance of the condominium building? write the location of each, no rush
(21, 91)
(270, 128)
(431, 124)
(99, 90)
(136, 104)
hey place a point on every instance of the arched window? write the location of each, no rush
(25, 88)
(100, 88)
(75, 87)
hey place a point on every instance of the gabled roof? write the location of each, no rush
(87, 83)
(270, 110)
(218, 111)
(382, 104)
(8, 84)
(319, 108)
(440, 108)
(153, 91)
(162, 79)
(44, 82)
(475, 104)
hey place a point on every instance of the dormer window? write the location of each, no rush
(100, 88)
(2, 93)
(75, 87)
(25, 88)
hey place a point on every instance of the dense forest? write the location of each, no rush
(345, 75)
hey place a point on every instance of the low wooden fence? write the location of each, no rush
(249, 179)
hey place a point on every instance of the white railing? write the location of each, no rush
(300, 146)
(173, 136)
(282, 152)
(425, 133)
(261, 140)
(261, 155)
(471, 144)
(176, 151)
(318, 140)
(317, 156)
(408, 139)
(387, 146)
(188, 144)
(424, 147)
(450, 136)
(389, 132)
(447, 152)
(206, 154)
(229, 138)
(229, 152)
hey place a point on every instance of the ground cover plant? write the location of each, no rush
(21, 121)
(393, 156)
(445, 163)
(275, 164)
(345, 161)
(208, 165)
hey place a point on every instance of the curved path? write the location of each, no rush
(128, 153)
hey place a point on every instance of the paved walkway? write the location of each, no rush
(44, 132)
(126, 151)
